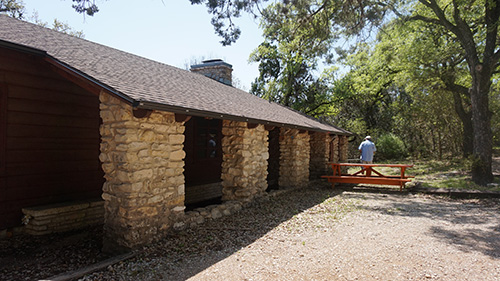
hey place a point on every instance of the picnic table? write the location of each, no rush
(367, 174)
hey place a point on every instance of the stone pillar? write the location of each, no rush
(343, 149)
(334, 152)
(320, 154)
(244, 164)
(143, 164)
(294, 158)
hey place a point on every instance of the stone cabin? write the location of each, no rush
(90, 134)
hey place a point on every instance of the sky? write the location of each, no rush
(173, 32)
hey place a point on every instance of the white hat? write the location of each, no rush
(368, 138)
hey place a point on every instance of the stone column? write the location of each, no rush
(143, 164)
(335, 149)
(320, 154)
(244, 166)
(294, 158)
(343, 148)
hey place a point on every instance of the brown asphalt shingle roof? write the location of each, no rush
(152, 83)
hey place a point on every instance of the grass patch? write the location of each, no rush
(448, 174)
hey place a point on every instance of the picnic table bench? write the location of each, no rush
(367, 174)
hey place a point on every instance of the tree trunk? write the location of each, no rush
(481, 122)
(466, 118)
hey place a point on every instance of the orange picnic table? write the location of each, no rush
(367, 174)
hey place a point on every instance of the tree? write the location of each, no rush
(13, 8)
(16, 9)
(473, 24)
(428, 59)
(87, 7)
(56, 25)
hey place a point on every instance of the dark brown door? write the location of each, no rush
(273, 167)
(203, 151)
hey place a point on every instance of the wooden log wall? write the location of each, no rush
(49, 137)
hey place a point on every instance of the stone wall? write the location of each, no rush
(343, 148)
(142, 159)
(334, 146)
(320, 154)
(46, 219)
(339, 150)
(244, 164)
(294, 158)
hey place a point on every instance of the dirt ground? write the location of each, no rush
(313, 233)
(373, 236)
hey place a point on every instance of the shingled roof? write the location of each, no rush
(149, 84)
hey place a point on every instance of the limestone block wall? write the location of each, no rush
(320, 154)
(244, 165)
(52, 218)
(334, 150)
(294, 158)
(343, 148)
(142, 159)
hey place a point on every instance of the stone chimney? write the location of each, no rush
(216, 69)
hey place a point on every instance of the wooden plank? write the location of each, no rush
(35, 168)
(3, 126)
(40, 80)
(52, 188)
(22, 156)
(27, 143)
(368, 180)
(89, 269)
(182, 117)
(44, 107)
(76, 96)
(371, 165)
(34, 71)
(15, 130)
(29, 118)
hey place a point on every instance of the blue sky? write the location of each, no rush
(168, 31)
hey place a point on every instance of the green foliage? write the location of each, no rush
(13, 8)
(316, 20)
(287, 65)
(390, 147)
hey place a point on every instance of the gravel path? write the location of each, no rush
(320, 235)
(305, 234)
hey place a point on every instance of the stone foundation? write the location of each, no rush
(142, 159)
(244, 166)
(294, 158)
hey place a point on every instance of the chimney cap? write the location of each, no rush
(212, 60)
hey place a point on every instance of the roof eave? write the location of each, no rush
(200, 113)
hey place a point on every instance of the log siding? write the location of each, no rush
(49, 137)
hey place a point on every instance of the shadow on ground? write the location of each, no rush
(471, 225)
(31, 258)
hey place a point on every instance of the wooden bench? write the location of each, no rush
(367, 174)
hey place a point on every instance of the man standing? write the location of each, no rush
(367, 149)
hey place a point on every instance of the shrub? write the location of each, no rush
(389, 147)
